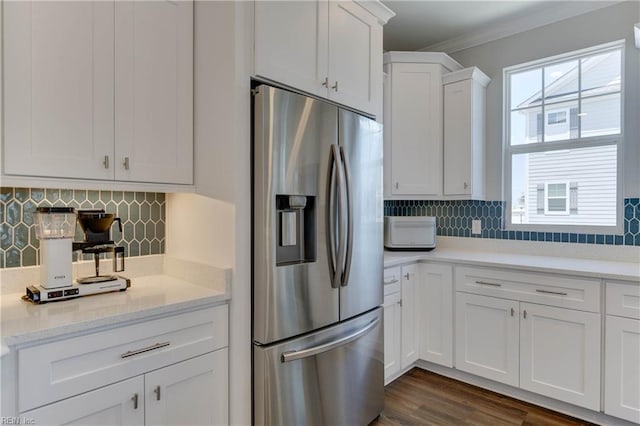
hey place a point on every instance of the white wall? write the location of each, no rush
(223, 62)
(601, 26)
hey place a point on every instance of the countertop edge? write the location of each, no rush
(115, 320)
(517, 262)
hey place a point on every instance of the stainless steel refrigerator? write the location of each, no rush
(317, 262)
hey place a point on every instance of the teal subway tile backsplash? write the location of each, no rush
(142, 215)
(454, 220)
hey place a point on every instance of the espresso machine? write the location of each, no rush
(55, 228)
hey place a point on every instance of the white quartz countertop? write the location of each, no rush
(25, 322)
(604, 269)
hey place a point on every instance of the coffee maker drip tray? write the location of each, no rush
(96, 279)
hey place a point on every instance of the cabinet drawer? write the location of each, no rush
(60, 369)
(545, 289)
(392, 280)
(623, 300)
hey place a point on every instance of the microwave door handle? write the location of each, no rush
(349, 211)
(330, 218)
(342, 219)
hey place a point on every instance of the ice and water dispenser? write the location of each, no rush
(296, 229)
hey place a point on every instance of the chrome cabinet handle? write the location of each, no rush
(143, 350)
(335, 86)
(524, 314)
(125, 163)
(325, 83)
(558, 293)
(315, 350)
(397, 185)
(393, 281)
(466, 185)
(513, 312)
(488, 283)
(105, 162)
(407, 276)
(134, 398)
(400, 303)
(157, 392)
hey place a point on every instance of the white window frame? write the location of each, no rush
(550, 146)
(566, 197)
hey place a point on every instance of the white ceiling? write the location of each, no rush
(427, 24)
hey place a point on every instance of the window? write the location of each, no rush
(556, 201)
(563, 125)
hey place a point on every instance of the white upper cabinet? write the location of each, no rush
(58, 89)
(99, 90)
(326, 48)
(413, 127)
(154, 91)
(464, 126)
(291, 43)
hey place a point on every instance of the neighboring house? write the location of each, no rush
(573, 186)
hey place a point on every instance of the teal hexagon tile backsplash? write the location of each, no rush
(142, 215)
(453, 219)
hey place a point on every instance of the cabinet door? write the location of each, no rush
(435, 317)
(154, 91)
(560, 354)
(464, 139)
(58, 89)
(622, 368)
(118, 404)
(355, 57)
(392, 331)
(291, 43)
(410, 332)
(487, 337)
(457, 138)
(415, 119)
(192, 392)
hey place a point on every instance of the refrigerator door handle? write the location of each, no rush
(349, 210)
(315, 350)
(332, 171)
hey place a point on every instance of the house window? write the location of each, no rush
(557, 198)
(563, 125)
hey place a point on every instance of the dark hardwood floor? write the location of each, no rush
(424, 398)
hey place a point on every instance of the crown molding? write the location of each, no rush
(443, 59)
(377, 9)
(562, 11)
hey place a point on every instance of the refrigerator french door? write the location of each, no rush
(317, 259)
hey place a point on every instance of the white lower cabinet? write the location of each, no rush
(401, 304)
(166, 371)
(192, 392)
(560, 354)
(487, 337)
(622, 352)
(113, 405)
(550, 350)
(435, 313)
(410, 306)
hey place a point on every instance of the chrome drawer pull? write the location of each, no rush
(487, 283)
(143, 350)
(134, 398)
(393, 281)
(558, 293)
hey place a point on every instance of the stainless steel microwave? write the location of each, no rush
(410, 232)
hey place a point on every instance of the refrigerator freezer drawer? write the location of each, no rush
(331, 377)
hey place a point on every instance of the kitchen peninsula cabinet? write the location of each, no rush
(79, 103)
(171, 370)
(516, 329)
(329, 49)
